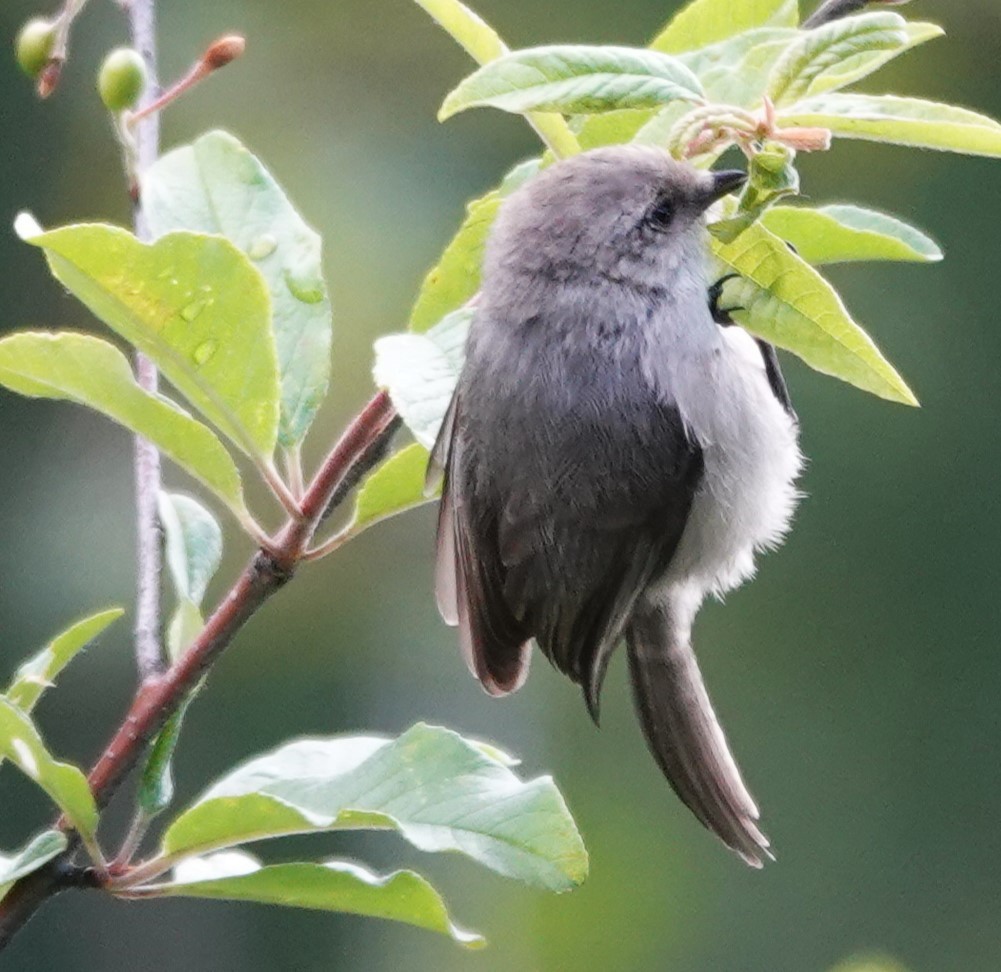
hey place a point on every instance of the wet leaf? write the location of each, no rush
(216, 185)
(194, 304)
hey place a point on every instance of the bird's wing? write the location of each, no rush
(776, 380)
(575, 570)
(469, 584)
(556, 553)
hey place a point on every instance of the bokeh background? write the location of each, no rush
(858, 676)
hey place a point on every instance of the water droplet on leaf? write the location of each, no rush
(305, 287)
(262, 247)
(192, 310)
(204, 351)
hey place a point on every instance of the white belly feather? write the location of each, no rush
(747, 495)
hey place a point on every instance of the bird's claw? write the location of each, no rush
(719, 314)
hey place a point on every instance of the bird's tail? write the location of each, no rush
(684, 734)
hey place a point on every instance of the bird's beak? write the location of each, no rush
(723, 183)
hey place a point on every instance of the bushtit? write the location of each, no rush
(612, 454)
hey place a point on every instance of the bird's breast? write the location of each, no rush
(747, 496)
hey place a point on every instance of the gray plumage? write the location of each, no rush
(612, 455)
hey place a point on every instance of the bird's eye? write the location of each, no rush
(660, 216)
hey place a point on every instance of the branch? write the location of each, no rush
(149, 553)
(158, 698)
(836, 9)
(366, 462)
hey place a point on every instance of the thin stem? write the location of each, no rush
(555, 133)
(293, 469)
(137, 830)
(330, 545)
(148, 643)
(143, 873)
(160, 697)
(48, 80)
(277, 486)
(199, 72)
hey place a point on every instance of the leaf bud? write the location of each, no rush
(224, 50)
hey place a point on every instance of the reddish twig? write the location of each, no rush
(217, 55)
(158, 698)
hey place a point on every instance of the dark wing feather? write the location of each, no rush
(469, 586)
(557, 543)
(577, 624)
(776, 380)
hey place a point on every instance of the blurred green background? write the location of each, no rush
(857, 676)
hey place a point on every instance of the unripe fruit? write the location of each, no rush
(34, 45)
(121, 79)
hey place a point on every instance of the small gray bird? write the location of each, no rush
(612, 454)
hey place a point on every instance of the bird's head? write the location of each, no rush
(627, 214)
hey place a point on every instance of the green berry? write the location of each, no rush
(121, 79)
(34, 45)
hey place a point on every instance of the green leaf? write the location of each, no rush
(186, 624)
(38, 673)
(456, 276)
(575, 79)
(84, 369)
(216, 185)
(900, 121)
(614, 127)
(735, 71)
(193, 551)
(839, 234)
(522, 173)
(785, 301)
(420, 371)
(38, 851)
(194, 304)
(331, 886)
(156, 785)
(704, 22)
(394, 486)
(840, 74)
(438, 790)
(482, 43)
(65, 784)
(193, 544)
(833, 55)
